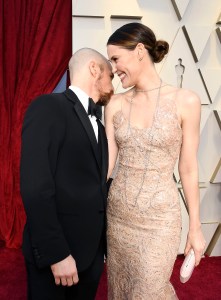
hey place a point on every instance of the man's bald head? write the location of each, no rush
(82, 57)
(92, 73)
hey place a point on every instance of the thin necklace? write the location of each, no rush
(146, 156)
(156, 88)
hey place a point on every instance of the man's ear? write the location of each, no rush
(94, 69)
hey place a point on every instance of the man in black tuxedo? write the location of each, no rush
(64, 164)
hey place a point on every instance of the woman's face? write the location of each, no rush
(125, 64)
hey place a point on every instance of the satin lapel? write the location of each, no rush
(104, 152)
(85, 121)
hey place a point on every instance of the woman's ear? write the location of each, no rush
(140, 51)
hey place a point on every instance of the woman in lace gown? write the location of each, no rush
(148, 128)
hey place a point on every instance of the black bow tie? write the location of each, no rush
(93, 109)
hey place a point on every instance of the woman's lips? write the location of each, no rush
(122, 76)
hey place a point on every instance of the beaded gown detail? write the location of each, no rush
(143, 213)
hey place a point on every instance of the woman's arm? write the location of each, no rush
(190, 108)
(109, 111)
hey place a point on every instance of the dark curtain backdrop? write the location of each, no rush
(35, 47)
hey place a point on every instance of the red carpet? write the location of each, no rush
(205, 283)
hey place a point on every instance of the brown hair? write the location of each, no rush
(129, 35)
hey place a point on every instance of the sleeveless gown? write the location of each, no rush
(143, 213)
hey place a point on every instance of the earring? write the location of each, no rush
(140, 58)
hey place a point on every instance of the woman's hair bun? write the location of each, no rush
(160, 50)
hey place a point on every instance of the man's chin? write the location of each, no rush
(104, 99)
(103, 102)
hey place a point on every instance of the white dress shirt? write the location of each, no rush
(84, 99)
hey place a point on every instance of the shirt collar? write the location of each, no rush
(82, 96)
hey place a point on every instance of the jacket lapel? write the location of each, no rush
(81, 113)
(104, 151)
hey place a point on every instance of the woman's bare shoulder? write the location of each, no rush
(188, 97)
(189, 104)
(116, 100)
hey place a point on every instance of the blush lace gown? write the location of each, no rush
(144, 216)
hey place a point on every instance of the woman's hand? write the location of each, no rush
(196, 241)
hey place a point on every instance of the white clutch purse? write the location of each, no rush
(187, 267)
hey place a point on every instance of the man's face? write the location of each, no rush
(104, 85)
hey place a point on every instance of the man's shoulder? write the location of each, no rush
(52, 100)
(49, 98)
(47, 104)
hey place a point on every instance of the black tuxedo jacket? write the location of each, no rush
(63, 181)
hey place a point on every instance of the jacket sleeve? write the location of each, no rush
(43, 133)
